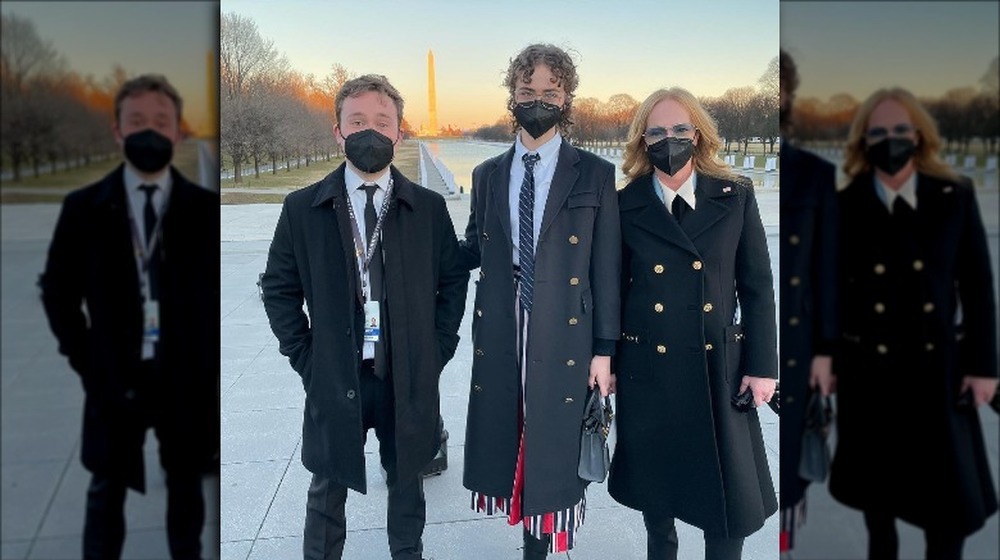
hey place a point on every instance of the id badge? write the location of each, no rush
(373, 321)
(151, 320)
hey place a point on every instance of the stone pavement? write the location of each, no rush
(43, 483)
(264, 483)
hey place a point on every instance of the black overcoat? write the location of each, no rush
(910, 290)
(683, 450)
(808, 287)
(91, 265)
(577, 261)
(311, 260)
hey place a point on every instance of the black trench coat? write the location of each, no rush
(575, 303)
(808, 308)
(91, 263)
(682, 449)
(311, 259)
(903, 444)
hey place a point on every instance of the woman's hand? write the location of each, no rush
(600, 372)
(762, 388)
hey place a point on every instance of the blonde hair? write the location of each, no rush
(635, 161)
(925, 159)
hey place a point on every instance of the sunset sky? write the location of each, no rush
(631, 47)
(858, 47)
(170, 38)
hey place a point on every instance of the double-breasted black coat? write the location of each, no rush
(577, 259)
(91, 265)
(808, 285)
(683, 450)
(311, 260)
(911, 287)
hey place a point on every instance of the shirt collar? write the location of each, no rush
(686, 191)
(133, 180)
(353, 181)
(908, 191)
(546, 152)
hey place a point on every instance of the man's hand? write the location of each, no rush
(762, 388)
(600, 372)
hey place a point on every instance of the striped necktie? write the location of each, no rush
(526, 228)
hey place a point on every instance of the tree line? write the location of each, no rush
(743, 114)
(51, 116)
(964, 115)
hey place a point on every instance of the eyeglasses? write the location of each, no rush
(877, 133)
(657, 133)
(525, 95)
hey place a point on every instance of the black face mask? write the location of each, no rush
(148, 150)
(369, 150)
(537, 117)
(892, 154)
(671, 154)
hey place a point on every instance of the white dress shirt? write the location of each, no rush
(545, 169)
(667, 194)
(888, 196)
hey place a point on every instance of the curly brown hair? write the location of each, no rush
(559, 62)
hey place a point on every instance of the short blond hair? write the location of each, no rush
(635, 161)
(926, 158)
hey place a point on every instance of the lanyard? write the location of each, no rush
(363, 252)
(144, 252)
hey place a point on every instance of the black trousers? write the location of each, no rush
(326, 522)
(661, 541)
(883, 541)
(104, 523)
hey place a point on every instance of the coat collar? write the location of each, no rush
(498, 183)
(332, 187)
(563, 180)
(715, 201)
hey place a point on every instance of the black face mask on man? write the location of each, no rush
(369, 150)
(892, 154)
(670, 154)
(148, 150)
(537, 117)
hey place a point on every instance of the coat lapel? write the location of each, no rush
(653, 217)
(714, 202)
(563, 180)
(498, 184)
(114, 206)
(333, 190)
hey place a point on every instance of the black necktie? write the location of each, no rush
(679, 208)
(375, 275)
(526, 231)
(149, 222)
(901, 209)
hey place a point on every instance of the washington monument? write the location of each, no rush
(432, 128)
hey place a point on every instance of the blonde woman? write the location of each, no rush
(918, 352)
(693, 250)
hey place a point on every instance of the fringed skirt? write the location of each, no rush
(560, 525)
(792, 520)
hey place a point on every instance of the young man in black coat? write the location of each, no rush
(139, 251)
(374, 257)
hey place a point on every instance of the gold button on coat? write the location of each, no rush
(707, 307)
(793, 321)
(479, 313)
(918, 265)
(792, 363)
(658, 308)
(880, 268)
(794, 280)
(570, 363)
(696, 265)
(479, 352)
(661, 349)
(879, 307)
(928, 307)
(572, 320)
(709, 346)
(573, 240)
(658, 269)
(929, 347)
(882, 349)
(793, 239)
(574, 281)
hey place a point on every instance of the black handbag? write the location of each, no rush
(814, 461)
(595, 458)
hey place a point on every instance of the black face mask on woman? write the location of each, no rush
(148, 150)
(537, 117)
(670, 154)
(892, 154)
(369, 150)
